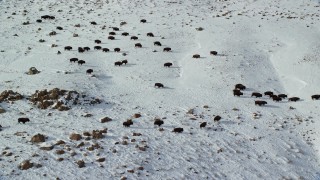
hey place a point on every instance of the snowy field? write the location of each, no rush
(265, 45)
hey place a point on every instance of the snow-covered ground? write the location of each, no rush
(265, 45)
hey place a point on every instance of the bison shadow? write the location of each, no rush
(270, 106)
(129, 65)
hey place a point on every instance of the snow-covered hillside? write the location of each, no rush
(264, 45)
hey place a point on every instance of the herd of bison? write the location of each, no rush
(236, 92)
(274, 97)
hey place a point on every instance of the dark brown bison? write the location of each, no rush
(127, 123)
(112, 33)
(143, 21)
(158, 122)
(80, 50)
(237, 92)
(105, 50)
(59, 28)
(89, 71)
(86, 48)
(315, 97)
(276, 98)
(45, 17)
(116, 49)
(125, 34)
(39, 21)
(166, 49)
(268, 93)
(283, 96)
(150, 34)
(97, 47)
(294, 99)
(134, 38)
(58, 52)
(118, 63)
(196, 56)
(214, 53)
(124, 62)
(260, 103)
(52, 33)
(68, 48)
(177, 130)
(240, 86)
(80, 62)
(97, 41)
(115, 28)
(168, 64)
(217, 118)
(23, 120)
(158, 85)
(157, 43)
(204, 124)
(52, 17)
(93, 23)
(111, 37)
(73, 59)
(256, 94)
(138, 45)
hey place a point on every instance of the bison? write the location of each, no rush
(158, 85)
(217, 118)
(52, 33)
(86, 48)
(58, 52)
(97, 41)
(256, 94)
(294, 99)
(204, 124)
(166, 49)
(237, 92)
(97, 47)
(143, 21)
(93, 23)
(127, 123)
(39, 21)
(45, 17)
(118, 63)
(124, 62)
(158, 122)
(116, 49)
(80, 62)
(138, 45)
(177, 130)
(276, 98)
(111, 37)
(283, 96)
(125, 34)
(260, 103)
(240, 86)
(59, 28)
(68, 48)
(150, 34)
(115, 28)
(315, 97)
(196, 56)
(157, 43)
(73, 59)
(214, 53)
(80, 50)
(105, 50)
(268, 93)
(112, 33)
(134, 38)
(23, 120)
(168, 64)
(89, 71)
